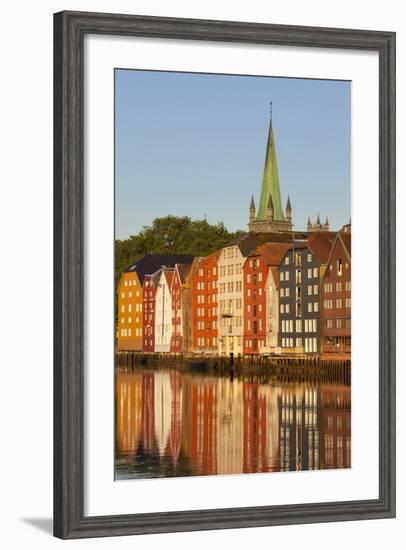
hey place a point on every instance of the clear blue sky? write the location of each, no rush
(191, 144)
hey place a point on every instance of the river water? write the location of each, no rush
(180, 423)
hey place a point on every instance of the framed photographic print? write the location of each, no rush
(224, 275)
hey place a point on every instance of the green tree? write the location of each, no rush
(171, 235)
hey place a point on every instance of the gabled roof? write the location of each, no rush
(151, 263)
(346, 239)
(154, 277)
(246, 243)
(321, 244)
(169, 273)
(272, 253)
(183, 270)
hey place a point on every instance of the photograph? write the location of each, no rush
(232, 287)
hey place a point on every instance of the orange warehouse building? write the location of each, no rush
(129, 326)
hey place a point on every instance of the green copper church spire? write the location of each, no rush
(270, 181)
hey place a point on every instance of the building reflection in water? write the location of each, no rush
(174, 423)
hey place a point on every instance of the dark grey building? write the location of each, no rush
(299, 294)
(299, 301)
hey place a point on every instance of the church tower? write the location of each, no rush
(269, 217)
(252, 210)
(318, 226)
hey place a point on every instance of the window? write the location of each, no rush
(287, 260)
(339, 303)
(315, 289)
(328, 304)
(122, 308)
(281, 276)
(260, 276)
(348, 322)
(299, 326)
(339, 265)
(125, 283)
(130, 307)
(329, 323)
(309, 290)
(339, 287)
(339, 322)
(348, 285)
(287, 276)
(298, 342)
(287, 291)
(287, 308)
(309, 257)
(282, 308)
(282, 292)
(310, 307)
(316, 306)
(348, 303)
(315, 272)
(309, 273)
(328, 287)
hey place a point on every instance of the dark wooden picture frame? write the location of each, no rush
(69, 31)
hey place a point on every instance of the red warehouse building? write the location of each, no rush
(336, 298)
(256, 269)
(149, 290)
(205, 303)
(178, 307)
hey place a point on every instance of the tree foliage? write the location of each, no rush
(171, 235)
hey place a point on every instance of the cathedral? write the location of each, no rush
(270, 217)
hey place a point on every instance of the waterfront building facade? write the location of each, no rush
(205, 304)
(231, 294)
(130, 322)
(130, 311)
(163, 311)
(149, 291)
(300, 272)
(178, 304)
(260, 282)
(336, 299)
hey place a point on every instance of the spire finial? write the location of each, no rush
(270, 110)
